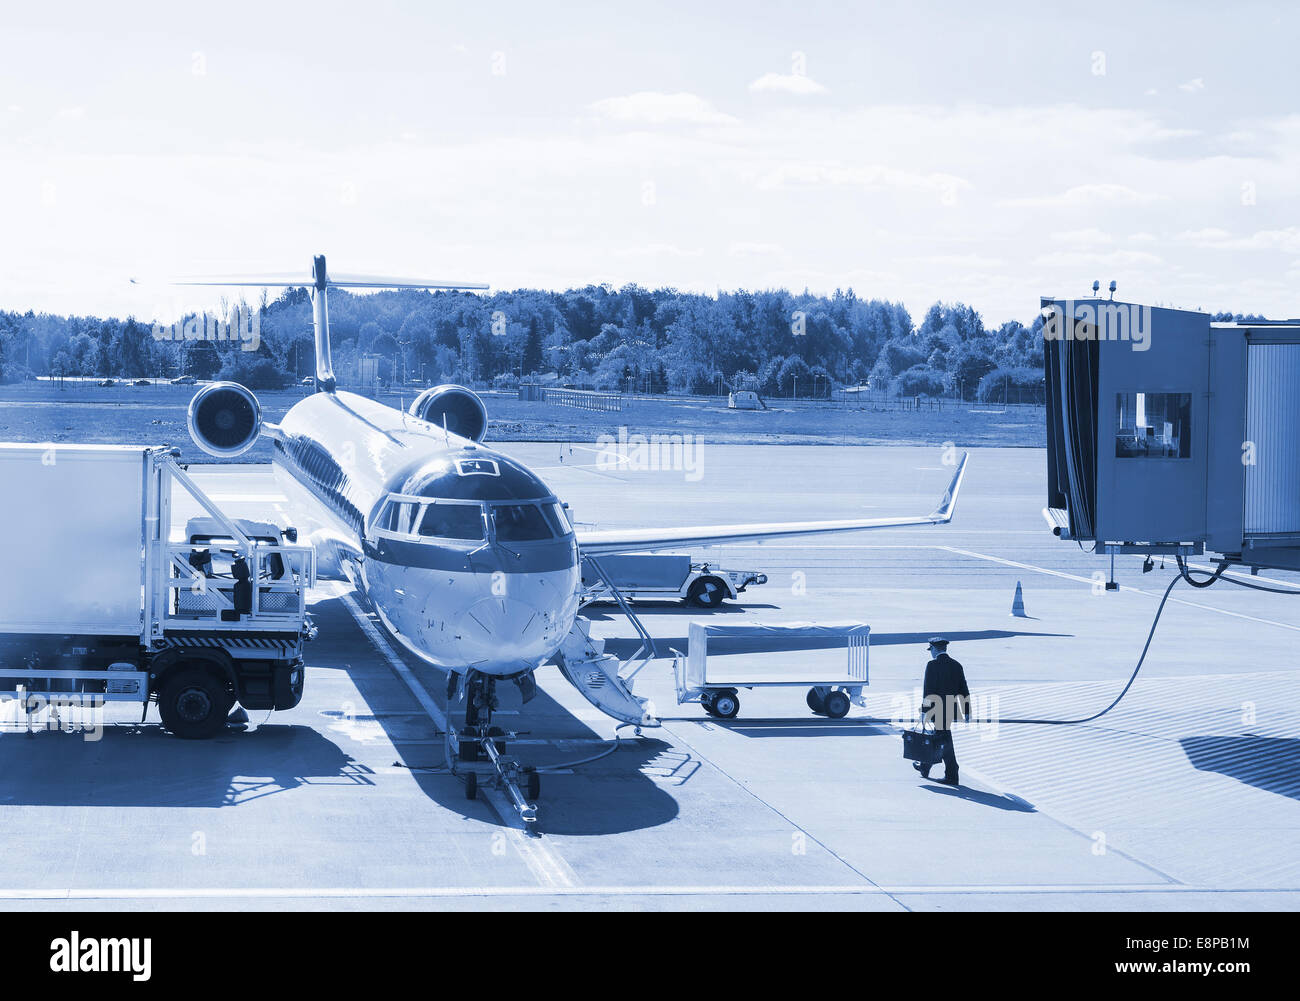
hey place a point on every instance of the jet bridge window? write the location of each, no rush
(452, 521)
(521, 523)
(1153, 425)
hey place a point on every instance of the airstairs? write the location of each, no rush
(605, 681)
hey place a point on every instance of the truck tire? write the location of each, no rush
(707, 592)
(194, 703)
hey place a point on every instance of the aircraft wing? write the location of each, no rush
(636, 540)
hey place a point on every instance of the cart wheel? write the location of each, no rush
(534, 785)
(837, 705)
(726, 705)
(706, 703)
(471, 785)
(815, 702)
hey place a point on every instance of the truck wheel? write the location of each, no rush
(837, 705)
(194, 704)
(726, 705)
(815, 702)
(707, 592)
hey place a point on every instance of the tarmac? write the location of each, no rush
(1184, 797)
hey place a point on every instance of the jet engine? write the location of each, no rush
(458, 409)
(225, 419)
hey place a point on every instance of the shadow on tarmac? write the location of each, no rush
(720, 646)
(1268, 763)
(1012, 804)
(611, 612)
(143, 765)
(803, 728)
(608, 796)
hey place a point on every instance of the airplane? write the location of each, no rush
(465, 555)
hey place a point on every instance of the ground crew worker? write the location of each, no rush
(945, 698)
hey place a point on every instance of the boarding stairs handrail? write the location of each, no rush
(646, 652)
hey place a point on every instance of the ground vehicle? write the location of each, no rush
(101, 606)
(666, 575)
(830, 660)
(744, 399)
(184, 380)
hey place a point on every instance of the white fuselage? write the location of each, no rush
(368, 485)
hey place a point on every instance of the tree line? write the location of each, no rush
(631, 338)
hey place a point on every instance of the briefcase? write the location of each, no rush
(922, 746)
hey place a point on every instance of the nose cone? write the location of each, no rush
(501, 630)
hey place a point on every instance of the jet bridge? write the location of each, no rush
(1168, 433)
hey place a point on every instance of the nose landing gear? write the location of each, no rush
(478, 750)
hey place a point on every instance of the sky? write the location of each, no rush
(988, 154)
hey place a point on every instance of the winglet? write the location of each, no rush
(944, 512)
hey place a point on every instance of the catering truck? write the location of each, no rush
(657, 576)
(98, 604)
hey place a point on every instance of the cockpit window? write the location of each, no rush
(452, 521)
(557, 518)
(397, 517)
(521, 523)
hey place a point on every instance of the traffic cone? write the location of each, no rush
(1018, 603)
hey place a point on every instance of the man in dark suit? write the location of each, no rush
(945, 698)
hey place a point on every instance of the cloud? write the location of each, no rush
(789, 83)
(1285, 240)
(869, 177)
(658, 250)
(1111, 258)
(1193, 86)
(977, 262)
(743, 248)
(650, 107)
(1090, 237)
(1089, 194)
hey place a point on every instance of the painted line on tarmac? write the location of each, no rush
(619, 890)
(1123, 587)
(539, 855)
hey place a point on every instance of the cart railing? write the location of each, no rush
(278, 578)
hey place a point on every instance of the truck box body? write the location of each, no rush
(75, 551)
(648, 572)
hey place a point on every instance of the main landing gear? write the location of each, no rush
(477, 750)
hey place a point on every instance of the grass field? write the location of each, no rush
(88, 413)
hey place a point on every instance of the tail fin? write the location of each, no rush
(321, 282)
